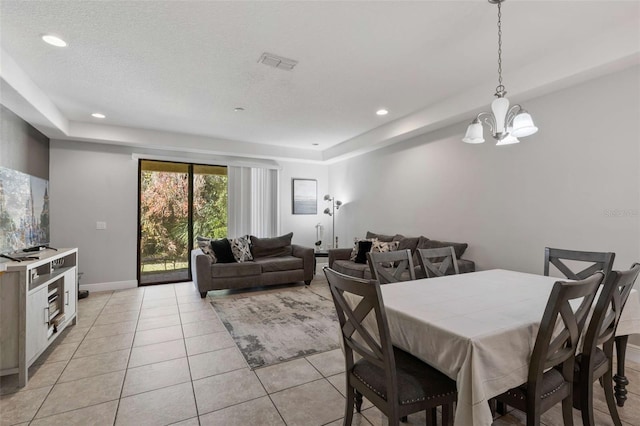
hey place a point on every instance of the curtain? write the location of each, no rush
(252, 202)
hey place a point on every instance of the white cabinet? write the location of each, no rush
(38, 299)
(37, 321)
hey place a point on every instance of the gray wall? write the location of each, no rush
(22, 147)
(575, 184)
(91, 183)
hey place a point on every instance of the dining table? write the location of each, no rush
(479, 329)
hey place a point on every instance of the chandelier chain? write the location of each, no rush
(500, 89)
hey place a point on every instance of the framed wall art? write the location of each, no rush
(304, 196)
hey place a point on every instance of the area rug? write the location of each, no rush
(277, 326)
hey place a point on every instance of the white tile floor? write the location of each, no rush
(160, 355)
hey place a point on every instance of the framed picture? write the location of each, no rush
(304, 195)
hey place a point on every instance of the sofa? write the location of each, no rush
(341, 259)
(263, 262)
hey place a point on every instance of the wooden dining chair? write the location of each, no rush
(555, 346)
(435, 262)
(597, 261)
(391, 266)
(396, 382)
(595, 363)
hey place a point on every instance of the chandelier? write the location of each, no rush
(507, 124)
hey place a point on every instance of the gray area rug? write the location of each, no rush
(279, 325)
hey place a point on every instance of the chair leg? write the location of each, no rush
(348, 408)
(611, 401)
(404, 419)
(447, 415)
(586, 402)
(358, 401)
(432, 417)
(567, 411)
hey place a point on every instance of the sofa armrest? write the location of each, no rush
(201, 270)
(338, 254)
(308, 260)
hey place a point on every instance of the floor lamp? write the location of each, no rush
(335, 205)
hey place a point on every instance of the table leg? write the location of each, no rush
(620, 379)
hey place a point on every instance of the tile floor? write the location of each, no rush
(160, 355)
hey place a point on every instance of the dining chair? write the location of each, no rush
(595, 363)
(391, 266)
(598, 261)
(396, 382)
(435, 262)
(555, 346)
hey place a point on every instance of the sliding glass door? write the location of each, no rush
(177, 202)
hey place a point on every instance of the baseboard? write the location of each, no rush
(116, 285)
(633, 353)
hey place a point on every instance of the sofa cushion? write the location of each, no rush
(204, 244)
(229, 270)
(386, 238)
(278, 264)
(222, 249)
(271, 247)
(464, 266)
(241, 248)
(348, 267)
(459, 248)
(408, 243)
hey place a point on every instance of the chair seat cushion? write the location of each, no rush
(277, 264)
(417, 381)
(552, 381)
(599, 359)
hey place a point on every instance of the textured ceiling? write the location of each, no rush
(183, 66)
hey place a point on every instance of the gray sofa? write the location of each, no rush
(339, 259)
(275, 261)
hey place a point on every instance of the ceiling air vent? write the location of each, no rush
(277, 61)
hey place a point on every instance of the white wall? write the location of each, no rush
(91, 182)
(575, 184)
(304, 226)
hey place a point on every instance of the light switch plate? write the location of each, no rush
(101, 225)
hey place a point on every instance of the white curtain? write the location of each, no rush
(252, 202)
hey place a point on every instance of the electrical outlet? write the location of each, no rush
(101, 225)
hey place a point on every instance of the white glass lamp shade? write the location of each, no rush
(509, 139)
(474, 133)
(500, 107)
(523, 125)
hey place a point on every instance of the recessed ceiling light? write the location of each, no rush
(54, 41)
(98, 115)
(382, 112)
(238, 109)
(315, 144)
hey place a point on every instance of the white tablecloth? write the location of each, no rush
(477, 328)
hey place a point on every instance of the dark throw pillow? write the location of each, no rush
(364, 247)
(222, 249)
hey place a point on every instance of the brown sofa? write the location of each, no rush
(275, 261)
(339, 259)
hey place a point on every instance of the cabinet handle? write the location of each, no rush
(66, 298)
(46, 315)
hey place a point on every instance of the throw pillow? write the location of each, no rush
(205, 245)
(241, 249)
(356, 247)
(364, 247)
(272, 247)
(384, 246)
(408, 243)
(222, 249)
